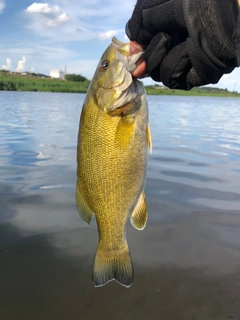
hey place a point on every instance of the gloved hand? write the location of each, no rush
(188, 43)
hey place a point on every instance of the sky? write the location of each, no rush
(42, 36)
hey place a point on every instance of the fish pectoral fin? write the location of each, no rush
(112, 265)
(84, 211)
(149, 138)
(139, 215)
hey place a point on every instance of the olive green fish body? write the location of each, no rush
(112, 164)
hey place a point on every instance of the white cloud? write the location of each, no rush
(52, 16)
(2, 6)
(21, 64)
(79, 21)
(58, 20)
(43, 8)
(108, 35)
(8, 65)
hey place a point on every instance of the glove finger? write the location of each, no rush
(155, 53)
(150, 17)
(194, 80)
(177, 71)
(165, 16)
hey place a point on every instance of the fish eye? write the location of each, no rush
(104, 64)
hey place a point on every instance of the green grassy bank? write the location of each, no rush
(11, 82)
(203, 91)
(25, 83)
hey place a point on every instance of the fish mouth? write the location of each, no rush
(133, 53)
(121, 47)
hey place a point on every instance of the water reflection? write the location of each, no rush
(186, 261)
(170, 279)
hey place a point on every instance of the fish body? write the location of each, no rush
(112, 156)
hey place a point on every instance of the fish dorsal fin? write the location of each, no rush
(84, 211)
(139, 215)
(149, 138)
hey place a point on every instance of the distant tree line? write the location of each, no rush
(75, 77)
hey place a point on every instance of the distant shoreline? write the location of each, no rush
(201, 91)
(10, 82)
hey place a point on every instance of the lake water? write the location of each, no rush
(186, 261)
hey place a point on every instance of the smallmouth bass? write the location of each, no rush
(113, 141)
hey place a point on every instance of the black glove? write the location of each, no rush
(188, 42)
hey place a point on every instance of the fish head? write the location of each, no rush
(113, 82)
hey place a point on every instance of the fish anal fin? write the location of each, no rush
(84, 211)
(112, 265)
(139, 216)
(149, 138)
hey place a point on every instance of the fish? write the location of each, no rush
(112, 153)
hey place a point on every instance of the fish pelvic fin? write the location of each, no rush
(84, 211)
(112, 265)
(139, 216)
(149, 138)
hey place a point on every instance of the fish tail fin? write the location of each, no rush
(112, 265)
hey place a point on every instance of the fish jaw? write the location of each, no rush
(133, 55)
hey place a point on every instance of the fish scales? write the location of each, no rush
(112, 162)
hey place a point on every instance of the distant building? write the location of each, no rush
(58, 74)
(14, 72)
(24, 73)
